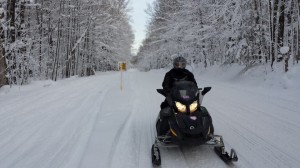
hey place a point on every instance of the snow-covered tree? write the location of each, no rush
(222, 32)
(53, 39)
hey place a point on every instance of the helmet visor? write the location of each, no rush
(180, 65)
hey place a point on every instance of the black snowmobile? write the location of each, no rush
(189, 123)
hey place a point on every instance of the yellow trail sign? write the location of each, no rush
(122, 67)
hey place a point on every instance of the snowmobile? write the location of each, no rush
(189, 123)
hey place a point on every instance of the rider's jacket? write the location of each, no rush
(177, 74)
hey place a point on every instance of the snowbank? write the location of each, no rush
(255, 76)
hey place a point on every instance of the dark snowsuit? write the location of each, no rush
(175, 75)
(171, 77)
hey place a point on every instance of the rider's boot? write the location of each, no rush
(162, 125)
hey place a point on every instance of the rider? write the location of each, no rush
(177, 73)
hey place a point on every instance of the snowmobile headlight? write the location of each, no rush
(180, 107)
(193, 106)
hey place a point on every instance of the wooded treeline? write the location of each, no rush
(53, 39)
(222, 32)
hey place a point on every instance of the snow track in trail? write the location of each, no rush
(113, 130)
(50, 126)
(142, 126)
(203, 156)
(123, 129)
(247, 119)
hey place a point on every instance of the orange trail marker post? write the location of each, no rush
(122, 67)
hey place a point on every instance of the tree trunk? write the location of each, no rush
(11, 58)
(68, 52)
(297, 11)
(23, 68)
(3, 65)
(286, 63)
(57, 54)
(271, 52)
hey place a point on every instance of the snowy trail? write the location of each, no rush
(89, 122)
(47, 130)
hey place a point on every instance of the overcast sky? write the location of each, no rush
(139, 20)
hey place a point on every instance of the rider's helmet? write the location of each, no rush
(179, 62)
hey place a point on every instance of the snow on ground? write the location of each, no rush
(89, 122)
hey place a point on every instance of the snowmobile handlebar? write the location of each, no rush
(162, 91)
(203, 91)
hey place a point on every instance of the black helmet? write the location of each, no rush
(179, 62)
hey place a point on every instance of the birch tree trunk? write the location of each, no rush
(11, 39)
(57, 54)
(23, 67)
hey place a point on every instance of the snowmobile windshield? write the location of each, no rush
(184, 91)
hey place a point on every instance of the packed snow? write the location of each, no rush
(90, 122)
(284, 50)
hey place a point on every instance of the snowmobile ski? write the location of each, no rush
(221, 152)
(155, 153)
(225, 156)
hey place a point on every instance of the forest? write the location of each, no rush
(55, 39)
(218, 32)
